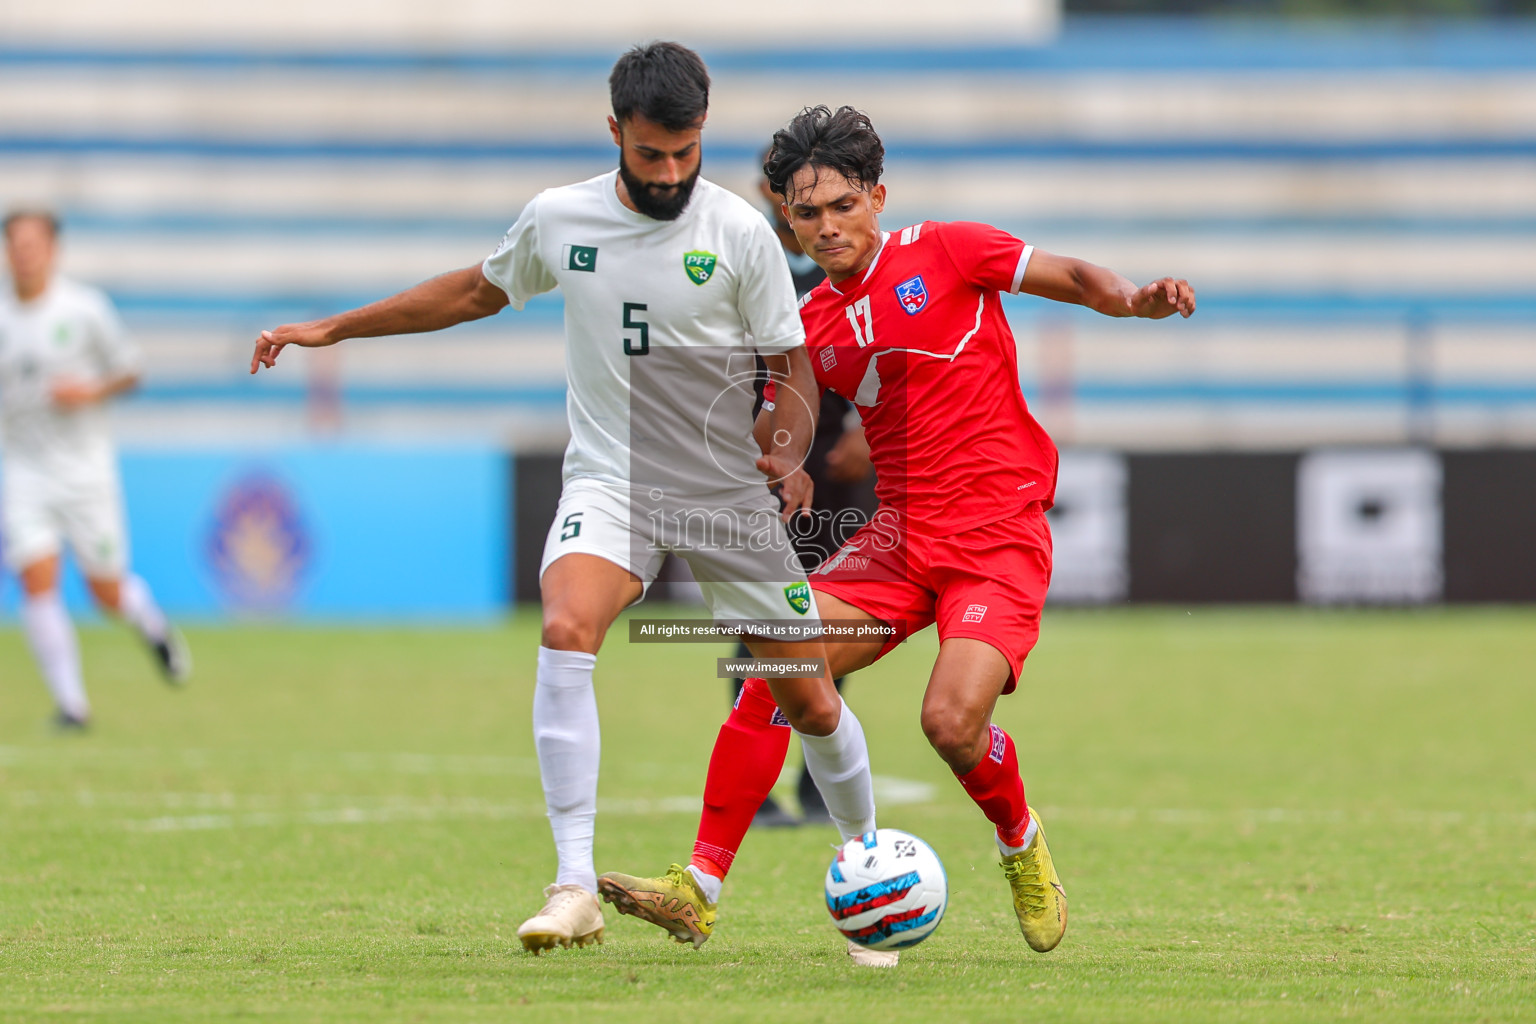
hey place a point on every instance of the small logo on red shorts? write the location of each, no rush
(975, 613)
(828, 358)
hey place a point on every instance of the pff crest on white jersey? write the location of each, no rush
(662, 323)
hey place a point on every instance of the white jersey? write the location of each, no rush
(69, 333)
(661, 320)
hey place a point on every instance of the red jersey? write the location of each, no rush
(920, 344)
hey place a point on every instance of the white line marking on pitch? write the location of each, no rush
(400, 763)
(1283, 816)
(229, 810)
(398, 810)
(387, 810)
(893, 792)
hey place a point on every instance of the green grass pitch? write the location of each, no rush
(1259, 815)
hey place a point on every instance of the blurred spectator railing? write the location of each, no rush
(1356, 204)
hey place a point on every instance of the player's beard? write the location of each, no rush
(657, 201)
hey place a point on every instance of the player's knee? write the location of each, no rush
(817, 717)
(566, 632)
(108, 595)
(954, 736)
(40, 578)
(36, 589)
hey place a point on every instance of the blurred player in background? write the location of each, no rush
(838, 464)
(63, 355)
(668, 279)
(910, 327)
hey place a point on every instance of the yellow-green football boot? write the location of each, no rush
(1038, 897)
(673, 902)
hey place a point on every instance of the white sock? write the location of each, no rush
(57, 650)
(1029, 837)
(708, 882)
(565, 733)
(839, 764)
(139, 610)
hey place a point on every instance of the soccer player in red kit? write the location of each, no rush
(909, 326)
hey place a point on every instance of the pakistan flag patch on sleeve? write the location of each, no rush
(799, 597)
(700, 265)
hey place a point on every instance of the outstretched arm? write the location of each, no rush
(1070, 280)
(453, 298)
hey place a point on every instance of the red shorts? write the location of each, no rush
(987, 583)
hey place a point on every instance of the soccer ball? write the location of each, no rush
(886, 889)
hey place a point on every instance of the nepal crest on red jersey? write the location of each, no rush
(913, 294)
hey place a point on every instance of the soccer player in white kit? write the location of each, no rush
(63, 355)
(671, 285)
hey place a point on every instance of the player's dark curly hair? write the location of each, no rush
(662, 82)
(841, 140)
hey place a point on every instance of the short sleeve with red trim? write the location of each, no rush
(987, 257)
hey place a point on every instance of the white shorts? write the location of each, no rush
(38, 516)
(739, 550)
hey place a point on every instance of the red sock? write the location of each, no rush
(998, 790)
(748, 756)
